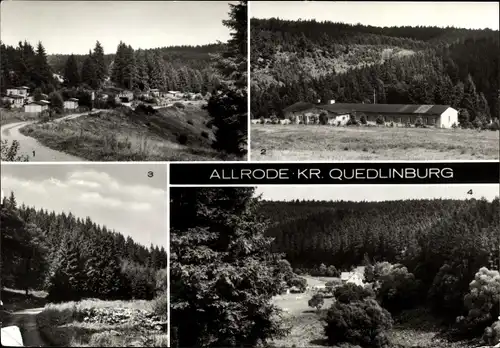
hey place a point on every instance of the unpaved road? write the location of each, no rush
(32, 148)
(26, 321)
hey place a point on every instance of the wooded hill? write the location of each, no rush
(184, 68)
(73, 258)
(307, 60)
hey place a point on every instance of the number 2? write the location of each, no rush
(263, 151)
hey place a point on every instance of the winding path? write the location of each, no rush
(26, 321)
(32, 148)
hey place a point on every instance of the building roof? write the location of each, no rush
(40, 102)
(72, 99)
(14, 96)
(342, 108)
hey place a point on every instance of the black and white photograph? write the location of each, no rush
(84, 252)
(123, 81)
(357, 80)
(345, 266)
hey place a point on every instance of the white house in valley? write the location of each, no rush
(20, 91)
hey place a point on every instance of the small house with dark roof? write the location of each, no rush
(441, 116)
(71, 104)
(16, 101)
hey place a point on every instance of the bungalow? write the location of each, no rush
(154, 92)
(440, 116)
(37, 106)
(71, 104)
(22, 91)
(16, 101)
(125, 96)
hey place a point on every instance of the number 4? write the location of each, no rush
(470, 192)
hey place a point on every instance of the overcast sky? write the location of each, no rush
(74, 26)
(473, 15)
(120, 196)
(377, 192)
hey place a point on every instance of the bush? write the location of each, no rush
(145, 109)
(397, 289)
(494, 126)
(316, 301)
(182, 139)
(380, 120)
(491, 334)
(262, 120)
(190, 122)
(352, 120)
(204, 134)
(179, 105)
(419, 122)
(364, 323)
(300, 283)
(323, 117)
(482, 302)
(352, 293)
(363, 119)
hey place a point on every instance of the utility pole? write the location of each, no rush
(374, 101)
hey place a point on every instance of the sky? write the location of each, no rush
(378, 192)
(74, 26)
(470, 15)
(120, 196)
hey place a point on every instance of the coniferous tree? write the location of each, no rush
(89, 72)
(71, 73)
(228, 105)
(223, 273)
(100, 65)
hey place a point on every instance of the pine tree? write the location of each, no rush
(228, 106)
(223, 274)
(89, 72)
(42, 70)
(142, 71)
(100, 65)
(71, 74)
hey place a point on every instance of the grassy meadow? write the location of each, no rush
(63, 325)
(13, 116)
(318, 142)
(411, 329)
(171, 134)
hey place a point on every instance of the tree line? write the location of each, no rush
(447, 66)
(73, 258)
(184, 68)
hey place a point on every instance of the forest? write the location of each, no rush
(308, 61)
(73, 258)
(184, 68)
(233, 253)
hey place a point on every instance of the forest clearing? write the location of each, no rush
(299, 142)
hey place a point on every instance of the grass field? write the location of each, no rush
(63, 326)
(411, 330)
(317, 142)
(12, 116)
(124, 135)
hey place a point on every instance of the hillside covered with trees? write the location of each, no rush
(73, 258)
(308, 60)
(184, 68)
